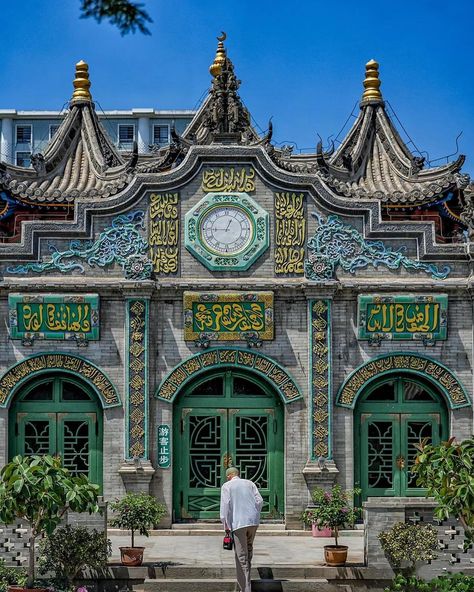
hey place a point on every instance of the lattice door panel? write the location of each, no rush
(380, 441)
(416, 429)
(77, 442)
(36, 433)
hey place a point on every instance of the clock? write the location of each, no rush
(226, 231)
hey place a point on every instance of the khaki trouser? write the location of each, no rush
(243, 547)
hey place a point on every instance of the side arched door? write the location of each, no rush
(391, 418)
(223, 419)
(59, 416)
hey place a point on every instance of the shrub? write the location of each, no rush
(448, 583)
(70, 550)
(137, 512)
(406, 544)
(40, 490)
(446, 471)
(11, 576)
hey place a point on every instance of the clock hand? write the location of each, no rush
(228, 225)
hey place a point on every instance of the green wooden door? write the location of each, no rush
(391, 418)
(221, 421)
(58, 416)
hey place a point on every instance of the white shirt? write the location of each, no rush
(241, 504)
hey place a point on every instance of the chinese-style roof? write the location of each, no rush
(222, 116)
(373, 162)
(79, 162)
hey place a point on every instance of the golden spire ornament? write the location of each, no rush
(371, 83)
(82, 83)
(216, 67)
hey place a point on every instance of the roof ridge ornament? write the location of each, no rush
(81, 84)
(216, 67)
(371, 84)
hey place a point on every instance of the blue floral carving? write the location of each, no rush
(336, 243)
(120, 243)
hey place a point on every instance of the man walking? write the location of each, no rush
(241, 504)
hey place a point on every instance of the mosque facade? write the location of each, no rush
(221, 301)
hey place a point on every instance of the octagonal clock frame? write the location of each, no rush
(226, 231)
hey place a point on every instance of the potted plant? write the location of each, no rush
(40, 490)
(70, 550)
(333, 510)
(136, 512)
(309, 518)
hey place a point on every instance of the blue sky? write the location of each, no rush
(301, 63)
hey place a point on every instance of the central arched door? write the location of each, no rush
(392, 417)
(226, 418)
(59, 415)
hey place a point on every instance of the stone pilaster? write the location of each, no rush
(136, 471)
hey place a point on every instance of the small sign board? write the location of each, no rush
(402, 317)
(54, 316)
(164, 446)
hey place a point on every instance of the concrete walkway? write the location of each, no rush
(206, 550)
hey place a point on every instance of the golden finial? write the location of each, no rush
(371, 83)
(82, 83)
(216, 67)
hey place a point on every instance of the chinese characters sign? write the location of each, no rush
(51, 316)
(410, 316)
(164, 446)
(228, 316)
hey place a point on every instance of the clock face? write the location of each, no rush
(226, 229)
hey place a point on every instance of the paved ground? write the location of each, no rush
(208, 551)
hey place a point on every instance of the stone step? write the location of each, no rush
(229, 585)
(264, 526)
(211, 530)
(168, 570)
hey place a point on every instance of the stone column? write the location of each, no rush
(136, 471)
(320, 469)
(6, 140)
(143, 135)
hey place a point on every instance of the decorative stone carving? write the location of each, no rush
(269, 369)
(120, 243)
(337, 244)
(320, 381)
(137, 378)
(431, 369)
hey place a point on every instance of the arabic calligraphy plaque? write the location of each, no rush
(225, 316)
(401, 317)
(54, 316)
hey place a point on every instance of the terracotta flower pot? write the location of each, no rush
(320, 532)
(335, 555)
(131, 556)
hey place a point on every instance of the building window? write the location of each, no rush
(23, 159)
(126, 136)
(161, 134)
(24, 134)
(53, 128)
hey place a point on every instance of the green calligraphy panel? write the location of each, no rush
(54, 316)
(401, 317)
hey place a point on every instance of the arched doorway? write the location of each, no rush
(392, 416)
(58, 414)
(224, 418)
